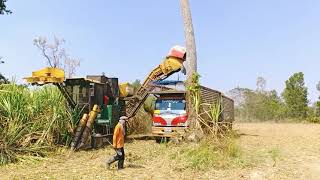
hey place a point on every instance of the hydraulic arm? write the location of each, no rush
(171, 64)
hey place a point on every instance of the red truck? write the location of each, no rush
(170, 116)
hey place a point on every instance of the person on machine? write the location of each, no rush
(118, 143)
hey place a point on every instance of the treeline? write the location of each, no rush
(263, 105)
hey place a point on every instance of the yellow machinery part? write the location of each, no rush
(46, 75)
(126, 89)
(83, 120)
(92, 115)
(156, 112)
(170, 65)
(51, 75)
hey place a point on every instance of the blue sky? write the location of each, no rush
(237, 41)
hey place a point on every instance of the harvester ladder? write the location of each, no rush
(66, 95)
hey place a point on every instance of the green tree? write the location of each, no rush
(259, 104)
(3, 80)
(295, 96)
(274, 107)
(3, 8)
(136, 85)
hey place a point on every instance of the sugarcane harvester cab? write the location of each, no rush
(101, 95)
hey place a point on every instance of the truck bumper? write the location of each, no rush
(168, 131)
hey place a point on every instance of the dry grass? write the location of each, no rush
(141, 123)
(294, 148)
(145, 159)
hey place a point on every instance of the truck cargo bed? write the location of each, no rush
(210, 96)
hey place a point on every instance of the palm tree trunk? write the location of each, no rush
(191, 59)
(189, 38)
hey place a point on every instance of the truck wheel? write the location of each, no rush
(162, 139)
(158, 140)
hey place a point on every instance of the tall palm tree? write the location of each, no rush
(189, 38)
(191, 61)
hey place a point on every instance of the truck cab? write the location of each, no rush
(170, 115)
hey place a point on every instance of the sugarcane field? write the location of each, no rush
(159, 90)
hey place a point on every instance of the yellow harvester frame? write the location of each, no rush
(46, 75)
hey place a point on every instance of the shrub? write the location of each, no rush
(313, 119)
(211, 153)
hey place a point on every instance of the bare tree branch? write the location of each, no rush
(56, 56)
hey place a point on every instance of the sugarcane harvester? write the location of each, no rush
(102, 100)
(96, 97)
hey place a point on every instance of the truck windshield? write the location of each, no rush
(170, 104)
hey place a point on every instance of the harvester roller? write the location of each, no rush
(88, 128)
(79, 131)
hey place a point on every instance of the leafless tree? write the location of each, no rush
(56, 56)
(238, 95)
(261, 84)
(70, 66)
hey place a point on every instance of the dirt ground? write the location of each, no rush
(276, 151)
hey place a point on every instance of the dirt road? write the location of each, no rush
(276, 151)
